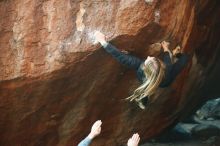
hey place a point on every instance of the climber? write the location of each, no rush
(151, 72)
(96, 130)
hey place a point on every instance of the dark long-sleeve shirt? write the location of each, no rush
(171, 70)
(127, 60)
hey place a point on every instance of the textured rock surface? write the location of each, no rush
(210, 110)
(55, 83)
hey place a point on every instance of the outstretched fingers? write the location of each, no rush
(96, 129)
(97, 126)
(97, 123)
(134, 140)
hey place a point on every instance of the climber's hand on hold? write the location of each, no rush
(165, 46)
(100, 37)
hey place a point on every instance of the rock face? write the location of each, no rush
(54, 83)
(204, 131)
(210, 110)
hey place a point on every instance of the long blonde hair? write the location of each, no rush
(154, 76)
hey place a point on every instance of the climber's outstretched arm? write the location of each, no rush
(125, 59)
(95, 131)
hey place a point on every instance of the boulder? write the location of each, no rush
(203, 131)
(210, 110)
(55, 82)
